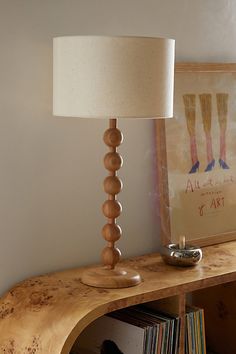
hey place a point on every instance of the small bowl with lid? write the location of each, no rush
(181, 254)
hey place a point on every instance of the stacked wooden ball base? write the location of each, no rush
(108, 275)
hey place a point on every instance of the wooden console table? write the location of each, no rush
(46, 314)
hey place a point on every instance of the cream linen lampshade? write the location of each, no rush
(112, 77)
(104, 77)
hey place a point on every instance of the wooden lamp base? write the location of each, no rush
(101, 277)
(108, 275)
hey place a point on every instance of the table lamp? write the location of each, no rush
(112, 77)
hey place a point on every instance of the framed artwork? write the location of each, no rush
(196, 153)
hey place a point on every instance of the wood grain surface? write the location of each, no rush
(46, 314)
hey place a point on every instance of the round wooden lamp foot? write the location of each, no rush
(101, 277)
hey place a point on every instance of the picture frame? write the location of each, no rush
(196, 156)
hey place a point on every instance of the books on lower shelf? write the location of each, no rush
(141, 330)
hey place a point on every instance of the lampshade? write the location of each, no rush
(121, 77)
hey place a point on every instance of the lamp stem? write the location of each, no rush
(110, 276)
(113, 123)
(112, 186)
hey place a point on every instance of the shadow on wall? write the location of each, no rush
(107, 347)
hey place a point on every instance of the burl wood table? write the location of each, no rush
(46, 314)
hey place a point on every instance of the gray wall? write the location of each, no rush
(51, 169)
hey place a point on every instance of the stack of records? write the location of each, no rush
(141, 330)
(195, 331)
